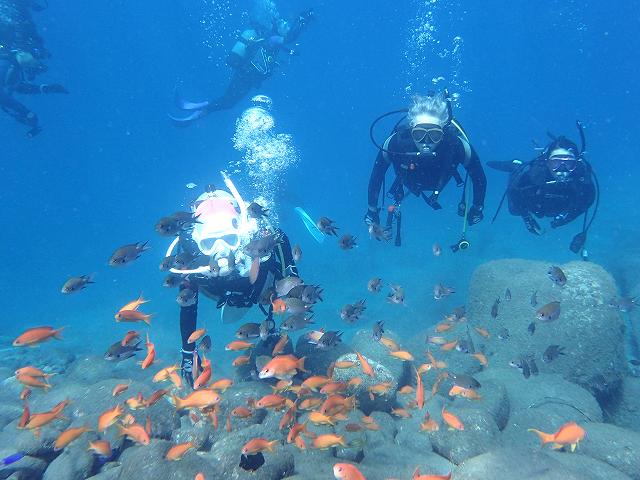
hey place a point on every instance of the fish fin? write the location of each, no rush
(574, 446)
(147, 319)
(300, 364)
(544, 437)
(271, 445)
(57, 333)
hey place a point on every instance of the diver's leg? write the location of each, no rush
(21, 113)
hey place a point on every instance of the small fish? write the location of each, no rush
(205, 344)
(191, 185)
(171, 281)
(118, 352)
(262, 246)
(533, 366)
(452, 420)
(440, 291)
(464, 381)
(531, 328)
(557, 276)
(167, 263)
(311, 294)
(397, 295)
(187, 297)
(549, 312)
(133, 316)
(75, 284)
(267, 327)
(494, 308)
(482, 332)
(568, 434)
(293, 305)
(623, 304)
(417, 476)
(464, 346)
(507, 295)
(257, 211)
(534, 299)
(552, 352)
(327, 226)
(282, 367)
(374, 285)
(378, 330)
(379, 233)
(36, 335)
(347, 242)
(248, 330)
(127, 253)
(435, 340)
(503, 333)
(173, 225)
(284, 285)
(526, 365)
(350, 313)
(436, 249)
(296, 322)
(296, 253)
(329, 339)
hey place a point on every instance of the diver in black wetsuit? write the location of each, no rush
(18, 30)
(558, 184)
(17, 71)
(425, 150)
(253, 59)
(221, 270)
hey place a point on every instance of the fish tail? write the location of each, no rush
(57, 333)
(272, 445)
(300, 364)
(177, 402)
(147, 319)
(544, 437)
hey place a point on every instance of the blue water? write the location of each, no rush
(109, 163)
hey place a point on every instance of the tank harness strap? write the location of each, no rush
(385, 147)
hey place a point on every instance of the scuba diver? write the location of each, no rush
(425, 148)
(18, 30)
(17, 70)
(253, 59)
(559, 184)
(219, 268)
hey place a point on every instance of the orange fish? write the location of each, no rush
(443, 327)
(315, 382)
(346, 471)
(354, 382)
(389, 343)
(288, 418)
(133, 316)
(221, 384)
(419, 391)
(155, 396)
(279, 306)
(310, 403)
(238, 345)
(451, 420)
(109, 417)
(333, 387)
(435, 363)
(227, 425)
(196, 335)
(164, 373)
(568, 434)
(344, 364)
(469, 393)
(402, 355)
(449, 346)
(296, 430)
(33, 372)
(328, 440)
(320, 419)
(272, 401)
(197, 399)
(277, 349)
(176, 380)
(241, 412)
(429, 424)
(135, 432)
(380, 388)
(130, 337)
(424, 368)
(199, 476)
(133, 305)
(256, 445)
(241, 360)
(118, 389)
(400, 412)
(337, 404)
(366, 368)
(481, 358)
(151, 354)
(299, 442)
(405, 390)
(205, 375)
(68, 436)
(134, 403)
(282, 367)
(32, 381)
(101, 447)
(24, 393)
(417, 476)
(26, 413)
(483, 332)
(176, 452)
(34, 336)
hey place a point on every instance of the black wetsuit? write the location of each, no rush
(232, 290)
(12, 79)
(426, 173)
(534, 190)
(17, 28)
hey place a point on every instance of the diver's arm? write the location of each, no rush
(376, 179)
(478, 179)
(287, 260)
(33, 89)
(584, 197)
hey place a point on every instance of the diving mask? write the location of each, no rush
(562, 162)
(427, 136)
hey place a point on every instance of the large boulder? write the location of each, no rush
(590, 331)
(74, 463)
(616, 446)
(25, 468)
(626, 410)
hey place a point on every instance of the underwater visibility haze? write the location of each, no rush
(314, 239)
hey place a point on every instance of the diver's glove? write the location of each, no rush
(475, 215)
(532, 225)
(187, 367)
(53, 88)
(559, 220)
(372, 217)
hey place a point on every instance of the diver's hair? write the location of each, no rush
(562, 142)
(435, 105)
